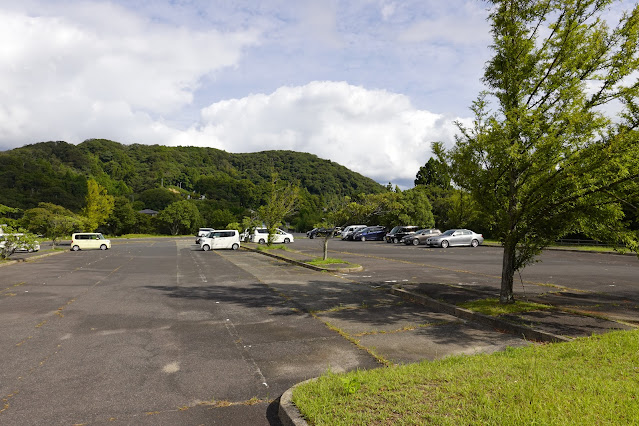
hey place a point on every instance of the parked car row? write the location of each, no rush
(409, 235)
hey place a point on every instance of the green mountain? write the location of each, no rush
(56, 172)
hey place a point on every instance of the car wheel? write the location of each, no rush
(103, 247)
(261, 241)
(395, 240)
(444, 244)
(474, 243)
(311, 236)
(363, 238)
(235, 246)
(415, 242)
(287, 240)
(206, 247)
(388, 240)
(75, 248)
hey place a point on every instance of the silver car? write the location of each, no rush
(456, 237)
(420, 236)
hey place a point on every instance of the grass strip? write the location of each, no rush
(592, 380)
(492, 307)
(327, 261)
(271, 247)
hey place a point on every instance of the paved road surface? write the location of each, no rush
(155, 332)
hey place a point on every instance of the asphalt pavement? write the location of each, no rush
(157, 332)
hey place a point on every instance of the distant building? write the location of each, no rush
(150, 212)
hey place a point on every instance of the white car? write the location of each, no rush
(19, 246)
(221, 239)
(350, 230)
(202, 232)
(260, 235)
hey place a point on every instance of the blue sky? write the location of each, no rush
(366, 83)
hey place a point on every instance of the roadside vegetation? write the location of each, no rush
(591, 380)
(328, 261)
(262, 247)
(493, 307)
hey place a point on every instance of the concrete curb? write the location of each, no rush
(496, 323)
(303, 264)
(29, 259)
(287, 412)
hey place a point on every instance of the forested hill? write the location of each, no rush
(56, 172)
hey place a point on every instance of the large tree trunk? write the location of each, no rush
(507, 273)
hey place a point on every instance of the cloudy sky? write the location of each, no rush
(366, 83)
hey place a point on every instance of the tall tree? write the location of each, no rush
(99, 205)
(550, 161)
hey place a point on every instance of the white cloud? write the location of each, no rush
(55, 70)
(373, 132)
(388, 10)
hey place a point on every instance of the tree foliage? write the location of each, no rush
(549, 161)
(280, 201)
(14, 239)
(56, 172)
(53, 221)
(99, 205)
(181, 217)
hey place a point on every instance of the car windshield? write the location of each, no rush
(449, 232)
(395, 229)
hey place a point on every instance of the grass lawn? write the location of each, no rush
(591, 380)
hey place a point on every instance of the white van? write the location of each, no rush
(89, 240)
(260, 235)
(221, 239)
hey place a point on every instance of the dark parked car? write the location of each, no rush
(397, 233)
(321, 232)
(350, 230)
(420, 236)
(456, 237)
(370, 233)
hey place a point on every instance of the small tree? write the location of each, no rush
(52, 221)
(280, 202)
(180, 217)
(12, 240)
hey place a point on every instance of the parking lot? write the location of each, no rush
(156, 332)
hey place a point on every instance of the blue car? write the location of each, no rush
(370, 233)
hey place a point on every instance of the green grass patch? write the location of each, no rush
(493, 307)
(599, 249)
(591, 380)
(263, 247)
(329, 261)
